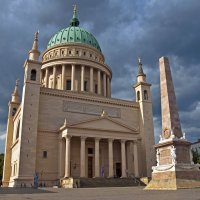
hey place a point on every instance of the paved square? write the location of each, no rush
(125, 193)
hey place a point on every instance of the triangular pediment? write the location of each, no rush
(104, 123)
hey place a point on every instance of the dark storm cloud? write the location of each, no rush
(125, 30)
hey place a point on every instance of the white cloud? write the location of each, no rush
(3, 137)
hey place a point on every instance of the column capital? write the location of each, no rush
(68, 137)
(83, 137)
(135, 141)
(111, 139)
(97, 139)
(123, 140)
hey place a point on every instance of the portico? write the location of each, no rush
(90, 153)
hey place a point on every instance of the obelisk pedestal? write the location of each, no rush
(175, 168)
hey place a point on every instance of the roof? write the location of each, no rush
(73, 34)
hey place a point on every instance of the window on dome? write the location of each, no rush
(33, 75)
(77, 38)
(71, 38)
(64, 38)
(85, 85)
(96, 88)
(68, 85)
(84, 39)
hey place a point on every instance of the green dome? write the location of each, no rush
(73, 34)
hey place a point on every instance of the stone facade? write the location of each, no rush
(68, 126)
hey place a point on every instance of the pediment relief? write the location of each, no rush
(104, 123)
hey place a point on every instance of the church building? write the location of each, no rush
(67, 125)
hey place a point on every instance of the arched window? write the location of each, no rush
(145, 95)
(138, 95)
(33, 75)
(17, 133)
(14, 111)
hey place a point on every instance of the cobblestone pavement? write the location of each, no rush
(125, 193)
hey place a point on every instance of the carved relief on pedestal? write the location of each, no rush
(166, 133)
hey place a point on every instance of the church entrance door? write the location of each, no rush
(118, 170)
(90, 166)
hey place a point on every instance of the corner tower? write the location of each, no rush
(143, 97)
(13, 106)
(24, 164)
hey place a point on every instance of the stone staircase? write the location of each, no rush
(109, 182)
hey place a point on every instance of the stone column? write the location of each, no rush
(135, 154)
(123, 158)
(47, 78)
(82, 157)
(73, 78)
(99, 81)
(60, 158)
(54, 77)
(82, 77)
(104, 84)
(67, 156)
(63, 77)
(110, 158)
(91, 79)
(97, 174)
(108, 86)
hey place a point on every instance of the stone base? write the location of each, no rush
(173, 180)
(69, 182)
(21, 182)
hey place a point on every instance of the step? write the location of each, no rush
(108, 182)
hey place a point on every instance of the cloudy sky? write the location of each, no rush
(125, 30)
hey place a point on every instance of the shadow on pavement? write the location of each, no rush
(23, 191)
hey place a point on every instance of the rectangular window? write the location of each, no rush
(44, 154)
(85, 85)
(68, 85)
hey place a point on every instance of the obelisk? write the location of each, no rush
(170, 117)
(175, 168)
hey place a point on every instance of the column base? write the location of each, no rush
(21, 181)
(69, 182)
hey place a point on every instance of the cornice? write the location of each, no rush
(141, 83)
(89, 97)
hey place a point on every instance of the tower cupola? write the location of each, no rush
(15, 94)
(34, 52)
(141, 77)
